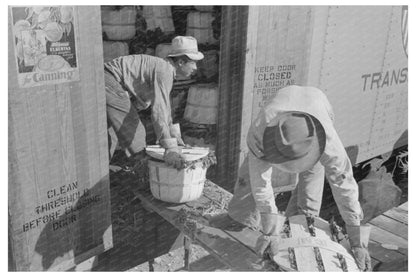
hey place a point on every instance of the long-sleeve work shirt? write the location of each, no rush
(337, 165)
(148, 81)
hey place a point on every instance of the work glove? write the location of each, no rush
(180, 142)
(175, 132)
(359, 237)
(271, 225)
(263, 243)
(172, 156)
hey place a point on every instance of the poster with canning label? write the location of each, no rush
(45, 47)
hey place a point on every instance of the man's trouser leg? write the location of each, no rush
(123, 118)
(307, 196)
(242, 207)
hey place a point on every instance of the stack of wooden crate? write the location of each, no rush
(149, 30)
(158, 17)
(119, 26)
(200, 110)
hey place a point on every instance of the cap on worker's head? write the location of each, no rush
(296, 143)
(188, 46)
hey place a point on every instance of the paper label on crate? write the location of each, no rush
(44, 44)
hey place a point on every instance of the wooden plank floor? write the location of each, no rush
(217, 242)
(389, 240)
(388, 230)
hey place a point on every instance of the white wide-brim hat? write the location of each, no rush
(296, 143)
(185, 45)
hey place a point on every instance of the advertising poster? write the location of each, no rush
(45, 47)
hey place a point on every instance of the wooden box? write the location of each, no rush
(308, 244)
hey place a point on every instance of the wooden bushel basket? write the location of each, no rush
(159, 16)
(299, 250)
(176, 186)
(119, 24)
(201, 104)
(199, 26)
(114, 49)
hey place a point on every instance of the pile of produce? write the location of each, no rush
(148, 39)
(206, 162)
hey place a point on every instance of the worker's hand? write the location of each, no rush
(359, 237)
(267, 245)
(174, 158)
(362, 258)
(261, 245)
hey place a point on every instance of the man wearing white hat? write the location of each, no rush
(294, 133)
(139, 82)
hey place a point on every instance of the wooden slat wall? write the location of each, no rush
(283, 38)
(272, 36)
(57, 136)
